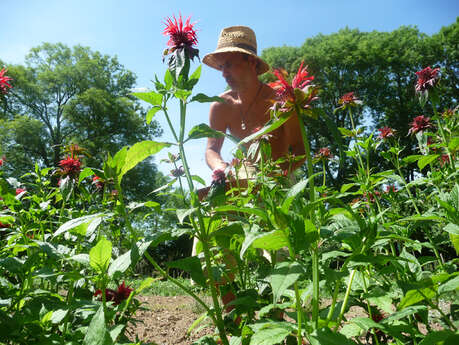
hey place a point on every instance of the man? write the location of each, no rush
(247, 103)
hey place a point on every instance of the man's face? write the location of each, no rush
(236, 67)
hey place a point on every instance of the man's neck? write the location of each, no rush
(247, 92)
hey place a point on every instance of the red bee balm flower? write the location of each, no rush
(4, 79)
(420, 124)
(298, 92)
(70, 166)
(20, 190)
(349, 99)
(427, 78)
(180, 35)
(118, 296)
(385, 132)
(324, 153)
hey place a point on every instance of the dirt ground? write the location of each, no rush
(166, 321)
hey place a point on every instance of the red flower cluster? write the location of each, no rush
(20, 190)
(391, 189)
(218, 176)
(385, 132)
(349, 99)
(97, 181)
(70, 166)
(420, 124)
(444, 159)
(324, 153)
(1, 161)
(4, 79)
(371, 196)
(298, 92)
(180, 35)
(118, 296)
(427, 78)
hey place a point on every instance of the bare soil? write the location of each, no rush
(166, 320)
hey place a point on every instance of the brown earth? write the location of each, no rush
(166, 320)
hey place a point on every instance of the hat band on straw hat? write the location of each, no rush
(238, 45)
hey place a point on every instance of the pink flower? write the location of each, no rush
(385, 132)
(297, 92)
(390, 189)
(444, 159)
(427, 78)
(1, 161)
(4, 79)
(98, 182)
(420, 124)
(70, 166)
(118, 296)
(180, 35)
(178, 172)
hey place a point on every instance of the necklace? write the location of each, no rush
(243, 124)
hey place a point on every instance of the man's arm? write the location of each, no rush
(214, 145)
(293, 141)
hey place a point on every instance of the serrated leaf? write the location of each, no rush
(425, 160)
(97, 333)
(77, 222)
(191, 265)
(151, 113)
(202, 98)
(450, 285)
(145, 284)
(150, 97)
(283, 276)
(85, 173)
(183, 213)
(271, 333)
(292, 193)
(204, 131)
(100, 255)
(412, 158)
(415, 296)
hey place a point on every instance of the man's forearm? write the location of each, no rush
(214, 160)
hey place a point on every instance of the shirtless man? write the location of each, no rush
(247, 103)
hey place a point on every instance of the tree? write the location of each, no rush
(69, 95)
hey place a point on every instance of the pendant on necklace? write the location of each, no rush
(243, 127)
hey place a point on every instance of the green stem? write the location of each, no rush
(315, 250)
(346, 298)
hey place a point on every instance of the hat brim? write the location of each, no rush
(214, 59)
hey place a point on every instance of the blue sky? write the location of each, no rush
(132, 30)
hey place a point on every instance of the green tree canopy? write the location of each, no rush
(68, 95)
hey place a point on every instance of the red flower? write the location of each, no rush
(97, 181)
(385, 132)
(349, 99)
(118, 296)
(391, 189)
(444, 159)
(324, 153)
(180, 35)
(298, 92)
(4, 81)
(218, 176)
(427, 78)
(1, 161)
(4, 226)
(70, 166)
(371, 196)
(420, 124)
(20, 190)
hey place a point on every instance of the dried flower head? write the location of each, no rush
(324, 154)
(178, 172)
(349, 99)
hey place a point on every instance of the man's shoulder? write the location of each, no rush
(226, 103)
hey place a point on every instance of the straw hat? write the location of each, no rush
(236, 39)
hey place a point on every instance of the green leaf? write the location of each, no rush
(100, 255)
(346, 132)
(455, 242)
(73, 223)
(137, 153)
(404, 313)
(151, 113)
(58, 315)
(194, 77)
(150, 97)
(204, 131)
(249, 210)
(198, 179)
(271, 333)
(168, 80)
(191, 265)
(444, 337)
(425, 160)
(450, 285)
(412, 158)
(183, 213)
(202, 98)
(292, 193)
(453, 145)
(97, 333)
(415, 296)
(85, 173)
(270, 126)
(145, 284)
(182, 94)
(325, 336)
(283, 276)
(272, 240)
(452, 228)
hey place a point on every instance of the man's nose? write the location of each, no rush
(225, 72)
